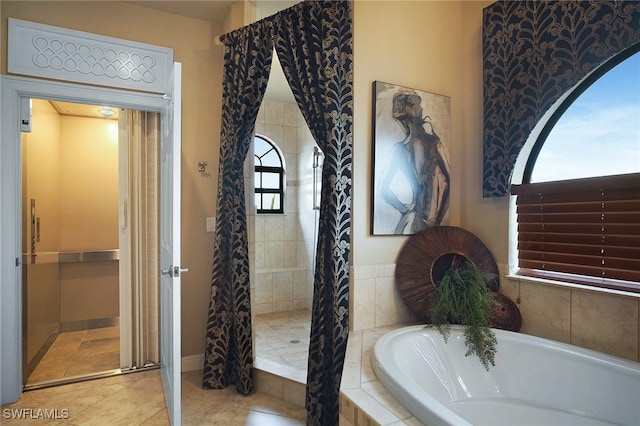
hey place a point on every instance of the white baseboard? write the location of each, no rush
(192, 362)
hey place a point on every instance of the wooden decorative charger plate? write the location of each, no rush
(426, 257)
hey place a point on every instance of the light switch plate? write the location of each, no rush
(211, 224)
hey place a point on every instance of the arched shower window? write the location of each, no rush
(578, 211)
(269, 176)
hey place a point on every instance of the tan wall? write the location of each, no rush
(88, 184)
(193, 44)
(436, 46)
(88, 216)
(42, 154)
(72, 172)
(41, 175)
(413, 44)
(417, 45)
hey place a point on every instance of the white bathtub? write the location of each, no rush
(534, 382)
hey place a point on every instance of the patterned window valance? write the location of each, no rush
(534, 52)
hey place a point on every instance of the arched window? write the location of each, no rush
(579, 206)
(269, 176)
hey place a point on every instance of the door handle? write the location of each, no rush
(174, 271)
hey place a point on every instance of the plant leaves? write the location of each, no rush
(462, 297)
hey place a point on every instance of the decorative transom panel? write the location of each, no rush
(51, 52)
(82, 58)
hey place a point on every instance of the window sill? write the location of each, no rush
(534, 280)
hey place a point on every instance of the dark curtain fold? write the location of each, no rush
(228, 353)
(314, 45)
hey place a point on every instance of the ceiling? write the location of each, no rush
(214, 10)
(82, 110)
(208, 10)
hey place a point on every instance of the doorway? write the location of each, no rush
(164, 99)
(89, 238)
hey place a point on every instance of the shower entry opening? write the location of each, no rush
(284, 240)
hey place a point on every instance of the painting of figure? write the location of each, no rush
(411, 169)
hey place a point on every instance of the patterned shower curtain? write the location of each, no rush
(228, 352)
(314, 43)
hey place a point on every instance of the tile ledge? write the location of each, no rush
(369, 405)
(280, 370)
(573, 286)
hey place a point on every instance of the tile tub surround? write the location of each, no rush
(374, 300)
(608, 322)
(363, 399)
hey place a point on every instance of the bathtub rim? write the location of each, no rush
(408, 394)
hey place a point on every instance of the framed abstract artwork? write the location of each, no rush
(411, 170)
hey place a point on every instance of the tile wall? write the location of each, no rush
(283, 244)
(374, 299)
(606, 322)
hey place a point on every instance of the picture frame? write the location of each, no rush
(410, 182)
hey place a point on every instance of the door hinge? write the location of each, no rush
(18, 262)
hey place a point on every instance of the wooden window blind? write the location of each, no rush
(585, 231)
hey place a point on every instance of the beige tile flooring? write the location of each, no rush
(79, 353)
(138, 399)
(283, 337)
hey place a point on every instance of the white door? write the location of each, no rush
(170, 247)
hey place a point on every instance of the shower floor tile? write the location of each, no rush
(283, 337)
(79, 353)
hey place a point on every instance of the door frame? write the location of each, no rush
(12, 90)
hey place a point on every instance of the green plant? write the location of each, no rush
(462, 297)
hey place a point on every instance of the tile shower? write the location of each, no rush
(282, 245)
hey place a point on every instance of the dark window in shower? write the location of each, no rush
(269, 176)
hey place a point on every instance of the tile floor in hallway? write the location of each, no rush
(283, 337)
(78, 353)
(138, 399)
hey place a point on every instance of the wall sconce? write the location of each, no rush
(202, 166)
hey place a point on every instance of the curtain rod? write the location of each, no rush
(219, 42)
